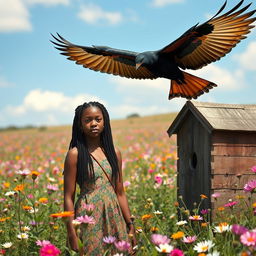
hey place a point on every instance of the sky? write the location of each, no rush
(38, 86)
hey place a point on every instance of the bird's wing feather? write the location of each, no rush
(212, 40)
(103, 59)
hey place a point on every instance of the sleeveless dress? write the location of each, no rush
(107, 212)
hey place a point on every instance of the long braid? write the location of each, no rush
(85, 171)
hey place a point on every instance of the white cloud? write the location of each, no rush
(45, 107)
(162, 3)
(94, 14)
(14, 16)
(225, 79)
(247, 59)
(47, 2)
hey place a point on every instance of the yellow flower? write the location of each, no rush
(6, 184)
(254, 205)
(177, 235)
(55, 227)
(146, 217)
(43, 200)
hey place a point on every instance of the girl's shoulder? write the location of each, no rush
(72, 155)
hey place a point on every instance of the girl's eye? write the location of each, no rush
(98, 120)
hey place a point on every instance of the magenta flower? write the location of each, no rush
(231, 204)
(109, 239)
(176, 252)
(86, 219)
(49, 250)
(238, 229)
(248, 238)
(158, 239)
(42, 242)
(250, 186)
(122, 245)
(189, 239)
(253, 168)
(204, 211)
(158, 180)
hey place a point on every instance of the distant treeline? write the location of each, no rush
(26, 127)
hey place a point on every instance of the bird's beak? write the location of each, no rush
(138, 65)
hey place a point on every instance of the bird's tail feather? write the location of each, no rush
(191, 87)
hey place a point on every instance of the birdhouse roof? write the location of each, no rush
(216, 116)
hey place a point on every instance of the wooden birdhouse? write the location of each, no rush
(216, 150)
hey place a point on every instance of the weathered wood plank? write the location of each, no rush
(233, 137)
(233, 150)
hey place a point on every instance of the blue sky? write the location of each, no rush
(41, 87)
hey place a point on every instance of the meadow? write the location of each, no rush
(32, 221)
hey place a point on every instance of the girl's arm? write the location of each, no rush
(70, 169)
(121, 196)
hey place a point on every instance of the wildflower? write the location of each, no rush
(42, 242)
(4, 219)
(204, 211)
(181, 223)
(253, 169)
(254, 205)
(154, 229)
(221, 209)
(22, 236)
(49, 250)
(146, 217)
(52, 188)
(231, 204)
(86, 219)
(177, 235)
(195, 217)
(203, 246)
(76, 223)
(27, 207)
(6, 184)
(126, 183)
(33, 210)
(176, 252)
(222, 227)
(204, 224)
(158, 179)
(7, 245)
(158, 239)
(34, 174)
(19, 187)
(23, 173)
(62, 214)
(250, 186)
(2, 252)
(238, 229)
(248, 238)
(189, 239)
(25, 228)
(109, 239)
(43, 200)
(164, 248)
(203, 196)
(158, 212)
(216, 195)
(88, 207)
(122, 245)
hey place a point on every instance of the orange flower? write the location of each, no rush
(27, 207)
(4, 219)
(177, 235)
(154, 229)
(176, 204)
(223, 224)
(201, 254)
(254, 205)
(19, 187)
(221, 209)
(34, 174)
(204, 224)
(146, 217)
(62, 214)
(43, 200)
(6, 184)
(203, 196)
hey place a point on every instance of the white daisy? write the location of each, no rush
(22, 236)
(181, 223)
(158, 212)
(203, 246)
(25, 228)
(7, 245)
(222, 228)
(164, 248)
(10, 193)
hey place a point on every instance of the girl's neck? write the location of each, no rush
(93, 144)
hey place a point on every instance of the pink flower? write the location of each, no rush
(195, 217)
(52, 187)
(176, 252)
(238, 229)
(189, 239)
(23, 173)
(204, 211)
(86, 219)
(127, 183)
(42, 242)
(109, 239)
(49, 250)
(248, 238)
(231, 204)
(122, 245)
(250, 186)
(253, 168)
(88, 207)
(216, 195)
(158, 239)
(158, 180)
(151, 171)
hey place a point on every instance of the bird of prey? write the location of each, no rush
(197, 47)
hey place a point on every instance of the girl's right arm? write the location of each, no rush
(70, 170)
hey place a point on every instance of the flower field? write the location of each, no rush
(31, 200)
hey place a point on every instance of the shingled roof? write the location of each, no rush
(216, 116)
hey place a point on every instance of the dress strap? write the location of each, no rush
(103, 171)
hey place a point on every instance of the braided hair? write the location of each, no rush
(85, 171)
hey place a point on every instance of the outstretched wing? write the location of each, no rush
(206, 43)
(103, 59)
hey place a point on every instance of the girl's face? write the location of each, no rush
(92, 122)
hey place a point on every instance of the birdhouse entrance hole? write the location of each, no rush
(193, 161)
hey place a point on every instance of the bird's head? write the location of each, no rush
(145, 59)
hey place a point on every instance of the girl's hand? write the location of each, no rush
(132, 239)
(73, 243)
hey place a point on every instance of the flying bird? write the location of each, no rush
(197, 47)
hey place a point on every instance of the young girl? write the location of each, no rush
(94, 163)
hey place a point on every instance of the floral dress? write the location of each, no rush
(107, 213)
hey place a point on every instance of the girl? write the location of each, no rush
(94, 163)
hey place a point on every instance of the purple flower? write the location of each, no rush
(109, 239)
(122, 245)
(238, 229)
(204, 211)
(250, 186)
(158, 239)
(86, 219)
